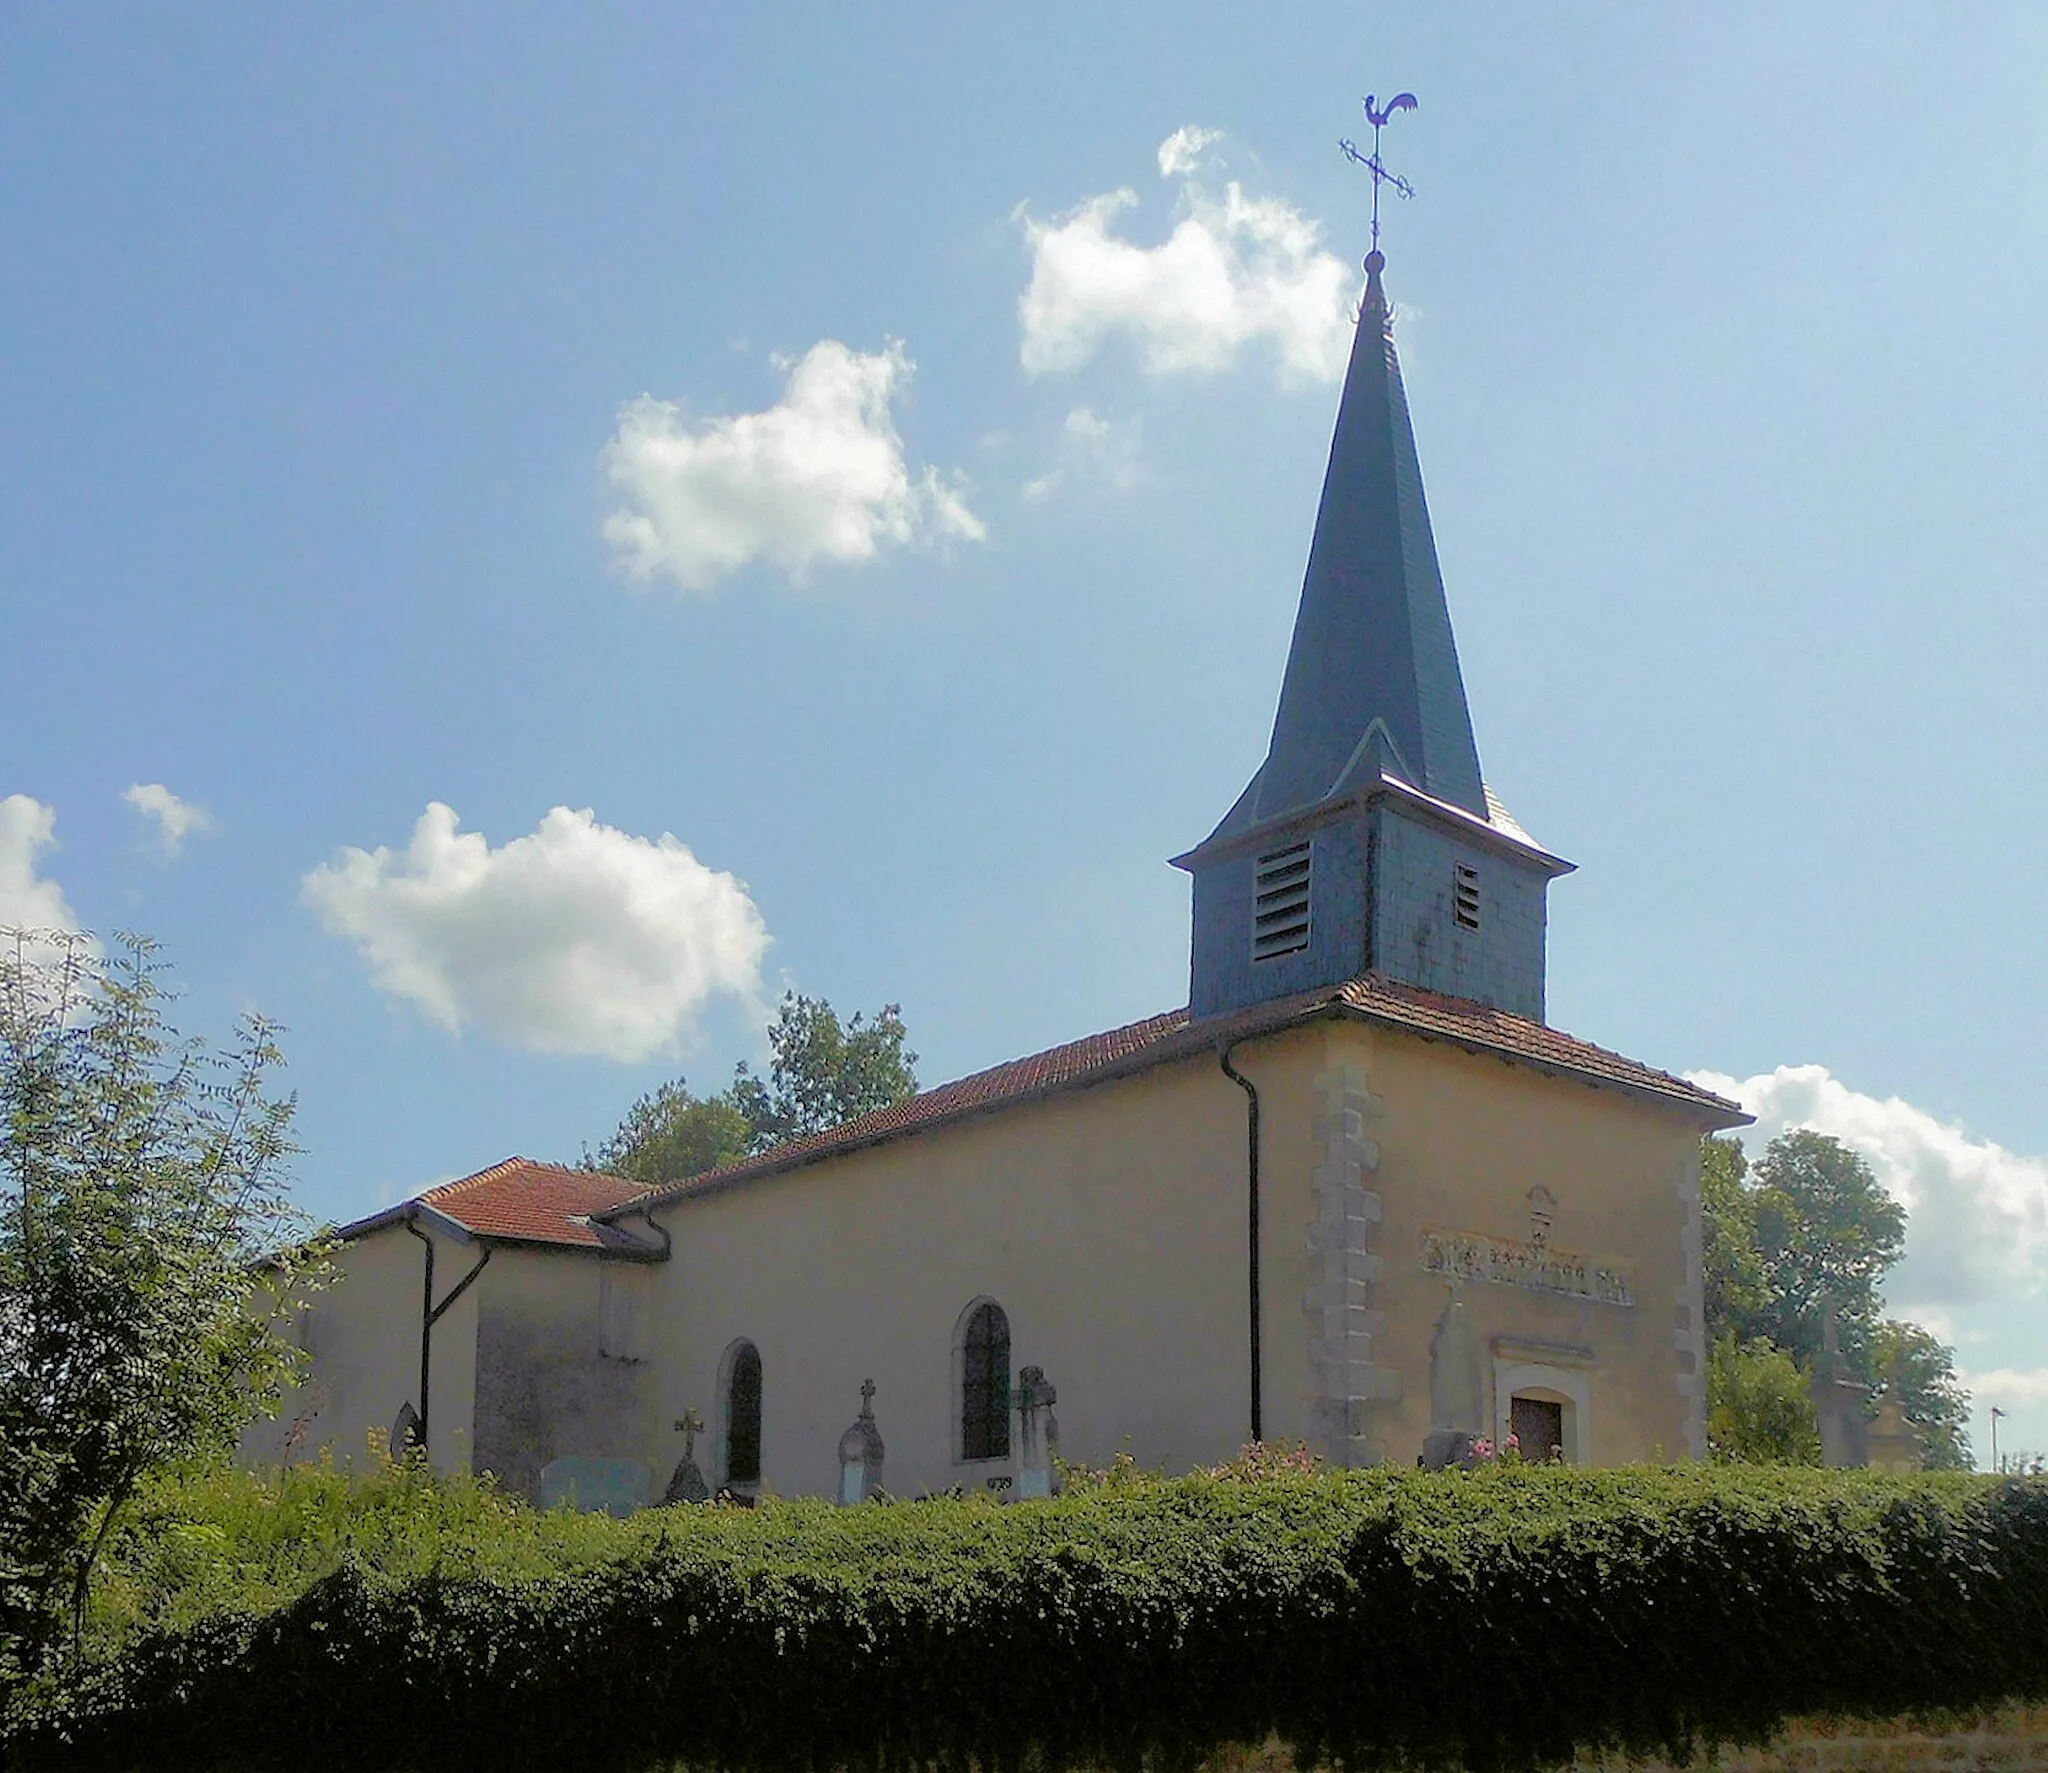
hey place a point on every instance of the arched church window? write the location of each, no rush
(985, 1383)
(743, 1414)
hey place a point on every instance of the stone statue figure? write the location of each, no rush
(1457, 1388)
(1038, 1438)
(1838, 1399)
(687, 1484)
(860, 1452)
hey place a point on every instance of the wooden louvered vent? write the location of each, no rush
(1465, 895)
(1280, 917)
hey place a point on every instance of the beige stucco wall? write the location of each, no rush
(1457, 1141)
(549, 1381)
(1110, 1224)
(363, 1334)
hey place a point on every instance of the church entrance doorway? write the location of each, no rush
(1538, 1425)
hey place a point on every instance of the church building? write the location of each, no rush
(1358, 1192)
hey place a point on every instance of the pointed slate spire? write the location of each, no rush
(1372, 682)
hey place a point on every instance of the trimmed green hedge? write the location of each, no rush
(1500, 1619)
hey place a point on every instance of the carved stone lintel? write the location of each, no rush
(1516, 1262)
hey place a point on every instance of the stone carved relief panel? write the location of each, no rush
(1533, 1262)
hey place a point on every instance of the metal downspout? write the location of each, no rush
(431, 1314)
(1252, 1224)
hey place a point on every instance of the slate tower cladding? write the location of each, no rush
(1368, 841)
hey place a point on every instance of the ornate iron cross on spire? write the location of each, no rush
(1378, 116)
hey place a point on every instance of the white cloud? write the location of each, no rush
(1235, 270)
(175, 819)
(28, 901)
(2006, 1386)
(1182, 151)
(576, 939)
(819, 477)
(1977, 1213)
(1091, 448)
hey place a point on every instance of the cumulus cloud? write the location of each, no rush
(578, 938)
(28, 901)
(1236, 270)
(818, 477)
(1977, 1213)
(1182, 151)
(1091, 448)
(175, 819)
(2006, 1386)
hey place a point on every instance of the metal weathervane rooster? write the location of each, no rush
(1379, 115)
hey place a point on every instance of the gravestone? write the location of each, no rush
(595, 1486)
(860, 1452)
(1038, 1438)
(405, 1431)
(686, 1483)
(1457, 1389)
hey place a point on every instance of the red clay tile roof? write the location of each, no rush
(1159, 1040)
(523, 1201)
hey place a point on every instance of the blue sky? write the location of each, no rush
(639, 413)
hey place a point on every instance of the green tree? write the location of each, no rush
(1759, 1410)
(822, 1073)
(672, 1134)
(1920, 1368)
(1805, 1226)
(1737, 1294)
(142, 1298)
(1827, 1233)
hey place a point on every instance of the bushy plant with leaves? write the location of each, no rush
(1759, 1406)
(1501, 1617)
(141, 1178)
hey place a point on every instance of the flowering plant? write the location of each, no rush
(1270, 1459)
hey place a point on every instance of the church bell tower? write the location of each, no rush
(1368, 841)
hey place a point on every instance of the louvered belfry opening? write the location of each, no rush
(1280, 902)
(1465, 895)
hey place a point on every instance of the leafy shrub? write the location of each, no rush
(1498, 1618)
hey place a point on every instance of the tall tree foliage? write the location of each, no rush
(141, 1178)
(1827, 1233)
(823, 1072)
(1920, 1368)
(1805, 1230)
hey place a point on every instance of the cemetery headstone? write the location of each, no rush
(686, 1483)
(1038, 1438)
(861, 1451)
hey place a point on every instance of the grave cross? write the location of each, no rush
(1378, 116)
(689, 1425)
